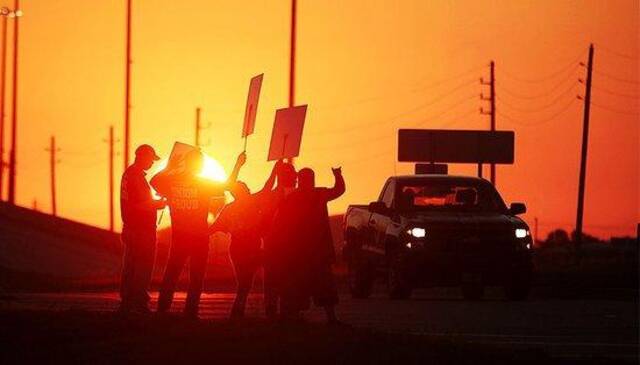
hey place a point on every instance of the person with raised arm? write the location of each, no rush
(242, 220)
(189, 196)
(286, 184)
(306, 247)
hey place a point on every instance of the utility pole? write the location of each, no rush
(492, 112)
(583, 155)
(14, 106)
(4, 13)
(127, 92)
(199, 127)
(52, 166)
(111, 142)
(292, 57)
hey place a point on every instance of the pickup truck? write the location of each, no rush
(438, 230)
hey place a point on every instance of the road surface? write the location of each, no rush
(562, 328)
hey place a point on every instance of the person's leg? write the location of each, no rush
(175, 263)
(145, 257)
(244, 278)
(127, 271)
(270, 292)
(197, 267)
(325, 293)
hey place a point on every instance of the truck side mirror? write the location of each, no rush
(517, 208)
(377, 207)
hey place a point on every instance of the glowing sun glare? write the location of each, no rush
(211, 169)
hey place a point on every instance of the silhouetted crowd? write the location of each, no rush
(283, 228)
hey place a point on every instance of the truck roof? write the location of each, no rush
(439, 177)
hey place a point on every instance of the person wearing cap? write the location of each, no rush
(189, 198)
(139, 211)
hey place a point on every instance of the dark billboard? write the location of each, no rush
(455, 146)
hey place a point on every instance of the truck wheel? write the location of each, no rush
(360, 279)
(399, 288)
(518, 288)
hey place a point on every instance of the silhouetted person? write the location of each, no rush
(305, 247)
(242, 220)
(139, 212)
(287, 179)
(189, 196)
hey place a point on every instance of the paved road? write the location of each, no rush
(563, 328)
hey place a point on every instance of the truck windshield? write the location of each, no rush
(449, 195)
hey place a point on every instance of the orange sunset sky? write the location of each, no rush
(365, 68)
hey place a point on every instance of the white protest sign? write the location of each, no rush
(252, 105)
(176, 158)
(287, 133)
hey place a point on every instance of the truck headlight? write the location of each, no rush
(417, 232)
(521, 232)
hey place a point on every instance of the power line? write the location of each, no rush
(541, 107)
(392, 120)
(404, 113)
(614, 110)
(541, 121)
(452, 78)
(546, 77)
(368, 158)
(539, 95)
(616, 78)
(615, 93)
(386, 136)
(616, 53)
(396, 95)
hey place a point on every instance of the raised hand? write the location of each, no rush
(242, 159)
(336, 170)
(160, 203)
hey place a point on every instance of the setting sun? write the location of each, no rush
(211, 169)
